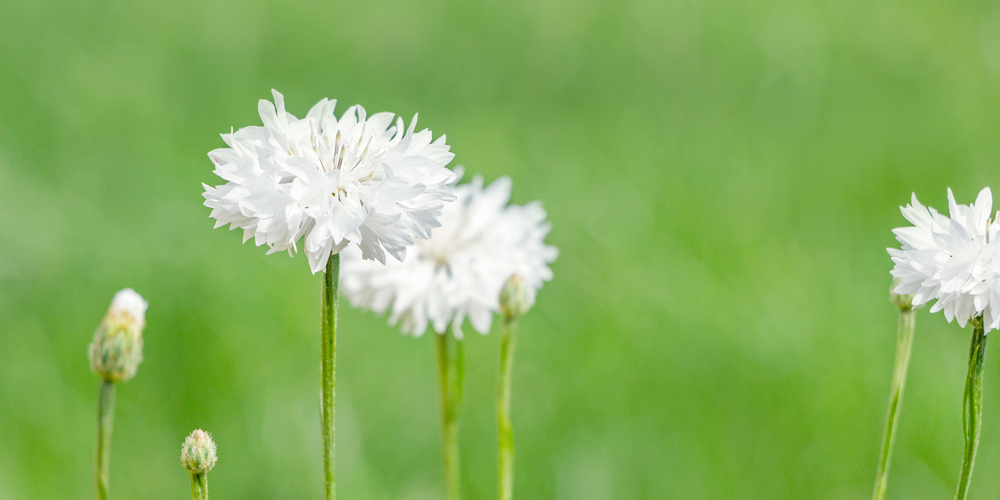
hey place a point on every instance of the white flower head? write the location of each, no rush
(953, 260)
(360, 179)
(458, 273)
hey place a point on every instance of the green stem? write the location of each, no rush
(328, 373)
(105, 424)
(904, 345)
(972, 405)
(505, 431)
(458, 376)
(451, 375)
(199, 486)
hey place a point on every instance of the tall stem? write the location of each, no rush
(904, 344)
(105, 424)
(199, 486)
(451, 375)
(972, 405)
(328, 372)
(505, 431)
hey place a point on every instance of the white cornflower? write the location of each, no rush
(359, 179)
(953, 260)
(459, 271)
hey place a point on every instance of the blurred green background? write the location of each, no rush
(721, 178)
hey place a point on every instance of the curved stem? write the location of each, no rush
(328, 373)
(451, 375)
(972, 405)
(505, 431)
(904, 345)
(105, 424)
(199, 486)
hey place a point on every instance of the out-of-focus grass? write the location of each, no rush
(721, 178)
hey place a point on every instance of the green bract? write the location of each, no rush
(198, 452)
(116, 351)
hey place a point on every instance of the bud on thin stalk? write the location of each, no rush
(904, 345)
(115, 355)
(513, 303)
(199, 456)
(116, 351)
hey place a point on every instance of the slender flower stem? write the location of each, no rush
(105, 424)
(328, 372)
(904, 344)
(972, 404)
(199, 486)
(451, 374)
(505, 431)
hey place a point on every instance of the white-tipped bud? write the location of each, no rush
(116, 351)
(514, 297)
(903, 302)
(198, 452)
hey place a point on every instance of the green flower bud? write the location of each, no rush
(116, 351)
(514, 297)
(198, 452)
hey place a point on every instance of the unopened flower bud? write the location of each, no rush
(514, 297)
(116, 350)
(903, 302)
(198, 452)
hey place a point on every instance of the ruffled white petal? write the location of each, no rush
(954, 260)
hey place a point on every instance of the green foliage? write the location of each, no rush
(721, 178)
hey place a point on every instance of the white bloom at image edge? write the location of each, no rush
(458, 273)
(952, 260)
(360, 179)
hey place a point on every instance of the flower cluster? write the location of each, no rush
(362, 180)
(952, 260)
(358, 179)
(458, 273)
